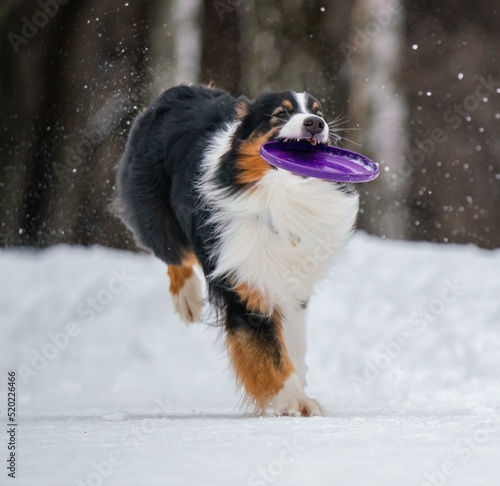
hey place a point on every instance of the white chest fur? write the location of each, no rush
(281, 236)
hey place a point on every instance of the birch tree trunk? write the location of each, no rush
(378, 107)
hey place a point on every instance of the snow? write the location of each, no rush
(113, 389)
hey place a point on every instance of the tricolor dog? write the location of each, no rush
(195, 191)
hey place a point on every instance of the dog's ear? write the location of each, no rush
(242, 107)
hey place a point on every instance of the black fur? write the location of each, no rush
(156, 175)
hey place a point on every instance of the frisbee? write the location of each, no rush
(320, 161)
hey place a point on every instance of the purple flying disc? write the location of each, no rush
(320, 161)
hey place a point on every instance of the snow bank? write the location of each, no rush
(410, 325)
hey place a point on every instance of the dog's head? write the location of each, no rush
(272, 116)
(282, 116)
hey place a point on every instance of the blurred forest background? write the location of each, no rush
(420, 79)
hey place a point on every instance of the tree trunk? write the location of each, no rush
(378, 109)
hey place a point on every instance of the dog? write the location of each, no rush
(194, 190)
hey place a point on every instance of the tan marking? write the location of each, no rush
(189, 260)
(252, 166)
(180, 273)
(277, 110)
(253, 298)
(285, 105)
(315, 106)
(275, 120)
(255, 363)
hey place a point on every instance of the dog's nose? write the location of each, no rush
(314, 124)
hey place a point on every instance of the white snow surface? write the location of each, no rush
(131, 396)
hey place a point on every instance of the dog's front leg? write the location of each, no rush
(261, 360)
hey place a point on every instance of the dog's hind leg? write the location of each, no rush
(186, 290)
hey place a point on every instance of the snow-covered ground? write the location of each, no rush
(112, 389)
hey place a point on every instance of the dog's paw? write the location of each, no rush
(305, 407)
(188, 302)
(291, 401)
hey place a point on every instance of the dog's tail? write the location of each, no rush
(142, 199)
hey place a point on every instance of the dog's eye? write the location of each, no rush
(280, 114)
